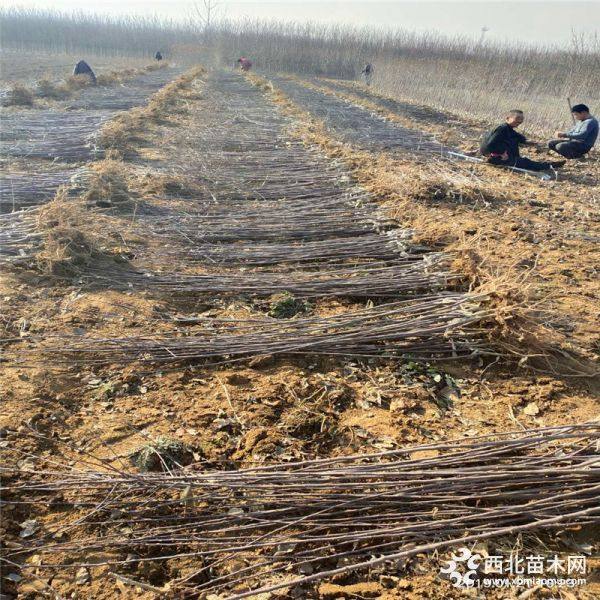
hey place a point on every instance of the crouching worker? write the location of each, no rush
(501, 146)
(244, 63)
(581, 139)
(82, 68)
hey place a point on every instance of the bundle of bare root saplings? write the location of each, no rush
(277, 526)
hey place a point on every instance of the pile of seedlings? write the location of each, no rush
(68, 137)
(430, 327)
(401, 278)
(275, 526)
(47, 89)
(354, 124)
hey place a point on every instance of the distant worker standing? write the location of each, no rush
(580, 139)
(158, 56)
(82, 68)
(501, 146)
(245, 63)
(367, 73)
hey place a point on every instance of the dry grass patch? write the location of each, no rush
(434, 181)
(50, 90)
(108, 184)
(77, 82)
(112, 78)
(169, 97)
(19, 95)
(158, 184)
(162, 454)
(47, 89)
(121, 134)
(68, 246)
(74, 240)
(155, 66)
(115, 77)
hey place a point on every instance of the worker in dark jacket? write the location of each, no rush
(501, 146)
(581, 138)
(82, 68)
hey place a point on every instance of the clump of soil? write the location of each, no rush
(162, 454)
(286, 306)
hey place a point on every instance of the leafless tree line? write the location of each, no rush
(457, 74)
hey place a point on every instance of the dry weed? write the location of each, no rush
(112, 78)
(19, 95)
(156, 184)
(121, 134)
(115, 77)
(168, 97)
(108, 184)
(51, 90)
(74, 240)
(77, 82)
(155, 66)
(67, 246)
(45, 88)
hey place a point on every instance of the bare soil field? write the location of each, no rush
(245, 275)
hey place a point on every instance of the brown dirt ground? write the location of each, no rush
(283, 408)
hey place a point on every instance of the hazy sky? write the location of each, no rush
(537, 21)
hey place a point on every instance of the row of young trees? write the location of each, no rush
(54, 31)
